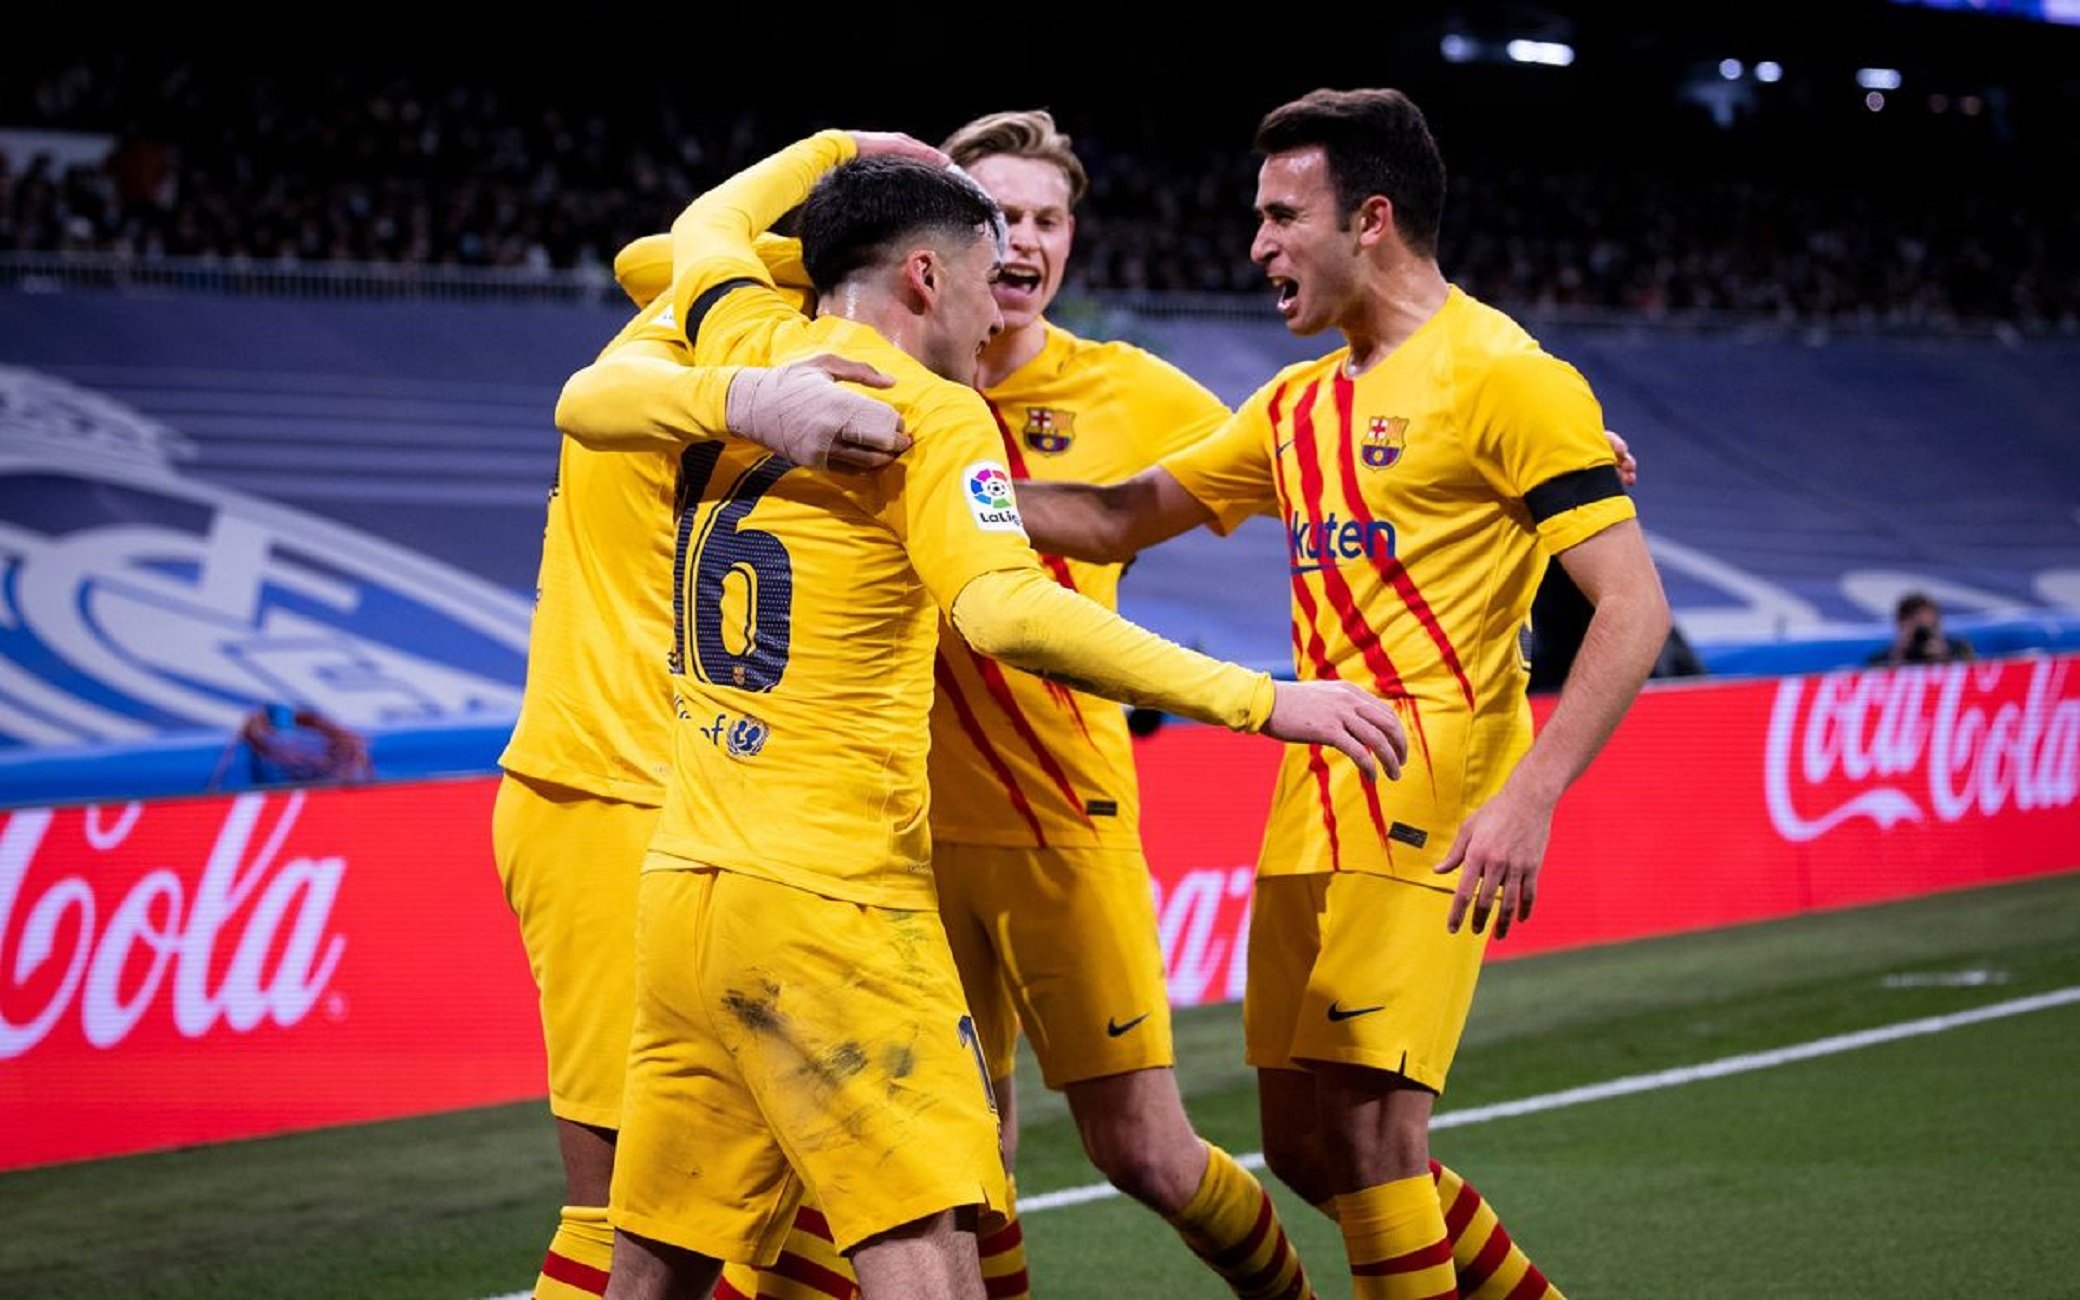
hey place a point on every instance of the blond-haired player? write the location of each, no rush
(799, 1023)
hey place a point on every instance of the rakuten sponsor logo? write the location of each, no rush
(1905, 745)
(241, 938)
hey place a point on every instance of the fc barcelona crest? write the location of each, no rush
(1385, 435)
(1049, 431)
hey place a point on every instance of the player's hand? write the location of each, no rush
(801, 411)
(1628, 464)
(1344, 717)
(871, 143)
(1497, 854)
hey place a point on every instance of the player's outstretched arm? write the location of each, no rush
(1108, 523)
(638, 398)
(1023, 618)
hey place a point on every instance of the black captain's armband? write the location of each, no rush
(1572, 490)
(701, 306)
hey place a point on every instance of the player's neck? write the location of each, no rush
(1396, 302)
(1010, 350)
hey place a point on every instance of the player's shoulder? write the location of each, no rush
(1489, 346)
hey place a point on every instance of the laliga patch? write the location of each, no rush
(988, 489)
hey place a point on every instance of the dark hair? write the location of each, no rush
(868, 210)
(1911, 604)
(1376, 142)
(1027, 133)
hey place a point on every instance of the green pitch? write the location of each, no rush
(1934, 1165)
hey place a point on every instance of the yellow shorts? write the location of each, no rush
(1064, 943)
(570, 861)
(1358, 969)
(786, 1042)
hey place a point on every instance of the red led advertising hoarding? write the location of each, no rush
(193, 970)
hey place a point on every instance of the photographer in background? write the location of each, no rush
(1919, 637)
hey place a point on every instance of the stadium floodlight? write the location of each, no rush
(1553, 54)
(1731, 69)
(1458, 49)
(1769, 70)
(1878, 78)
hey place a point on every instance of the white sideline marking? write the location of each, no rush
(1629, 1085)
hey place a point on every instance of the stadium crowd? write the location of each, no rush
(416, 168)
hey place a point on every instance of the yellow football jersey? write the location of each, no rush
(1016, 759)
(1420, 501)
(805, 622)
(595, 714)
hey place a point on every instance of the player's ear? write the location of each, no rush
(921, 275)
(1375, 219)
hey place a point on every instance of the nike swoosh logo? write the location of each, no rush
(1340, 1013)
(1115, 1028)
(1279, 448)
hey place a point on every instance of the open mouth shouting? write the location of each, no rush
(1018, 288)
(1287, 291)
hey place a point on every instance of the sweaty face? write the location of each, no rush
(1035, 199)
(965, 315)
(1312, 262)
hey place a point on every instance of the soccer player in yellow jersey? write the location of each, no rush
(1424, 471)
(583, 773)
(1035, 812)
(1036, 838)
(799, 1024)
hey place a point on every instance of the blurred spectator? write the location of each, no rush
(423, 167)
(1919, 637)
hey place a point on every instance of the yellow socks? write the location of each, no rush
(1489, 1264)
(579, 1254)
(1231, 1225)
(1394, 1234)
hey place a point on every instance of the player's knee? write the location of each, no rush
(1143, 1167)
(1297, 1164)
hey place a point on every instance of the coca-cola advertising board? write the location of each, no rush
(192, 970)
(196, 970)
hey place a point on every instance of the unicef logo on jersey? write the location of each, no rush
(746, 737)
(140, 600)
(990, 498)
(740, 737)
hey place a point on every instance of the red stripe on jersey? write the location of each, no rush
(1056, 565)
(1391, 569)
(809, 1273)
(564, 1269)
(1386, 682)
(1314, 656)
(951, 690)
(1000, 690)
(724, 1291)
(1532, 1286)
